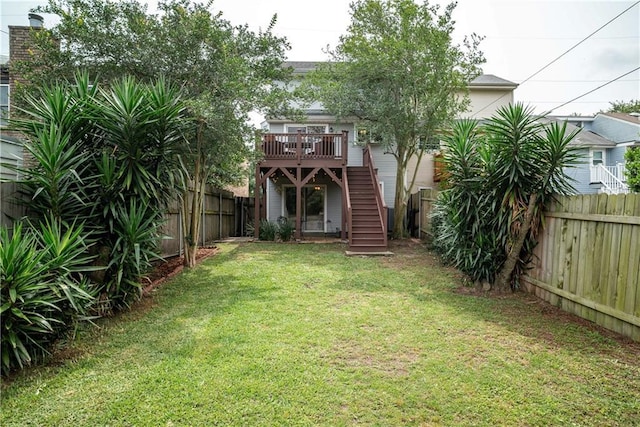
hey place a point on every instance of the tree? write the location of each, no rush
(502, 175)
(632, 166)
(225, 72)
(399, 73)
(633, 106)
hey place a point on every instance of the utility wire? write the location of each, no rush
(563, 54)
(593, 90)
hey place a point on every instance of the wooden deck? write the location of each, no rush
(304, 149)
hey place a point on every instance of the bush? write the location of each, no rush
(632, 163)
(134, 248)
(268, 230)
(286, 229)
(43, 292)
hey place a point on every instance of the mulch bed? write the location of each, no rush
(171, 267)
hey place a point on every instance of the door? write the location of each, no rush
(313, 206)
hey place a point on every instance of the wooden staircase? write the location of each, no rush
(367, 233)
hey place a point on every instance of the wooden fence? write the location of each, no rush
(219, 220)
(10, 209)
(588, 260)
(428, 197)
(224, 216)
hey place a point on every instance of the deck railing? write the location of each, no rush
(302, 146)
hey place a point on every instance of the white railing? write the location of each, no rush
(611, 177)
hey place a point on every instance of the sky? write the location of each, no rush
(521, 37)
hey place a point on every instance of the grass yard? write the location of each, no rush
(284, 334)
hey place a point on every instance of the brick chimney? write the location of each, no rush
(20, 45)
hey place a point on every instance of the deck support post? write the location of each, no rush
(298, 203)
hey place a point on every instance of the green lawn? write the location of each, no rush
(268, 334)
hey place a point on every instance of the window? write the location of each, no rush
(4, 104)
(364, 135)
(597, 157)
(315, 128)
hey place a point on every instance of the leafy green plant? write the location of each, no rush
(53, 184)
(135, 247)
(268, 230)
(632, 166)
(43, 290)
(500, 176)
(285, 228)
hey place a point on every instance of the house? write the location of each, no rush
(322, 175)
(602, 141)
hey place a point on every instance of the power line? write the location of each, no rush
(563, 54)
(593, 90)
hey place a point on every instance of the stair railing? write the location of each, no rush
(382, 207)
(607, 176)
(347, 207)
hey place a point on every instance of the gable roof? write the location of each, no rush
(631, 118)
(584, 138)
(490, 80)
(487, 81)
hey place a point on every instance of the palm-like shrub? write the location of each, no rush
(100, 155)
(501, 175)
(43, 289)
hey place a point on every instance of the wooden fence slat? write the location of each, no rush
(588, 260)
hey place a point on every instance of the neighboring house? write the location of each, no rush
(603, 140)
(319, 175)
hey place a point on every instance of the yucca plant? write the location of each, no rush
(501, 174)
(133, 249)
(53, 183)
(286, 228)
(268, 230)
(43, 290)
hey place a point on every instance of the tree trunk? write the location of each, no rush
(400, 206)
(504, 277)
(191, 217)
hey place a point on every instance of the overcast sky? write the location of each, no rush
(521, 37)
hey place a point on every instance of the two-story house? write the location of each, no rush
(321, 175)
(602, 143)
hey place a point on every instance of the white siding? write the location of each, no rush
(274, 199)
(386, 165)
(334, 208)
(10, 154)
(424, 178)
(485, 102)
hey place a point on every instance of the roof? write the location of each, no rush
(489, 80)
(631, 118)
(482, 81)
(584, 138)
(302, 67)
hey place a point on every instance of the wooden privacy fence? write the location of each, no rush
(10, 209)
(218, 221)
(428, 197)
(588, 260)
(224, 216)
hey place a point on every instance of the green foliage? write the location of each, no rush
(632, 168)
(286, 228)
(632, 106)
(398, 71)
(111, 158)
(268, 230)
(500, 177)
(43, 290)
(224, 72)
(135, 247)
